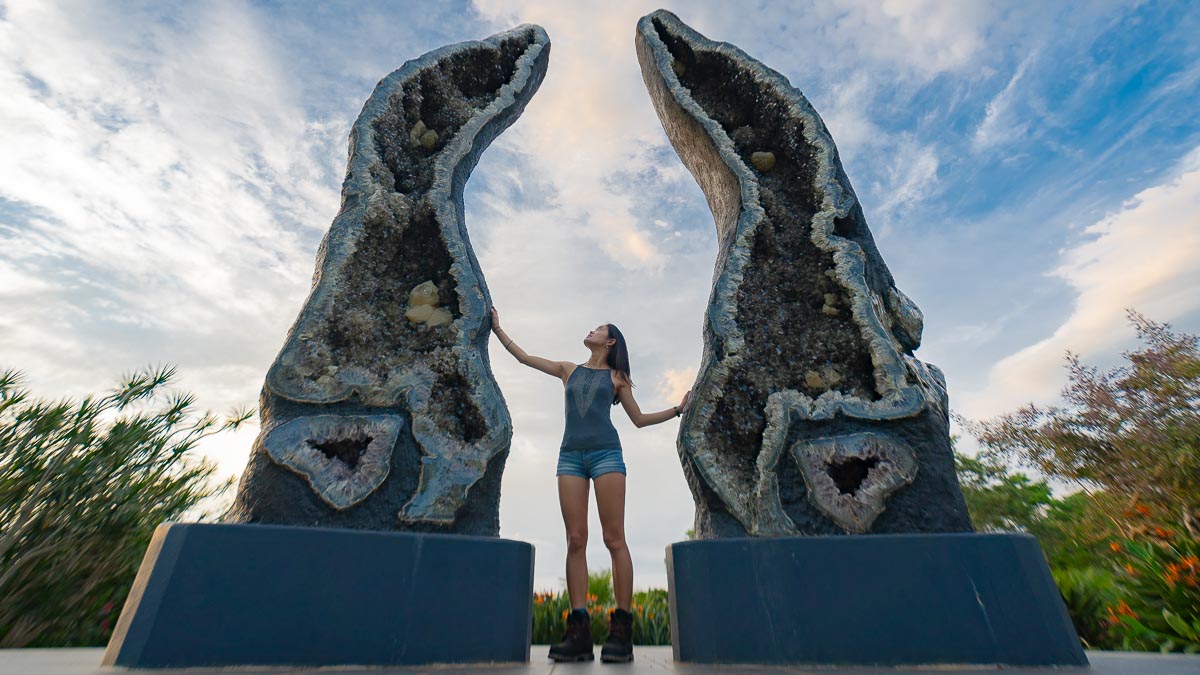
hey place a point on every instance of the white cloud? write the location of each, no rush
(911, 175)
(676, 382)
(927, 35)
(1142, 257)
(848, 116)
(175, 183)
(581, 127)
(998, 125)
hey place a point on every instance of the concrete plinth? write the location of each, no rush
(872, 599)
(229, 595)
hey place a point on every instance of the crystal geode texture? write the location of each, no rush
(810, 414)
(381, 410)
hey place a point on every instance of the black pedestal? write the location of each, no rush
(225, 595)
(871, 599)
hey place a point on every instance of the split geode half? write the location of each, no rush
(344, 458)
(381, 411)
(809, 414)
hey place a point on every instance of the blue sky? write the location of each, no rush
(167, 170)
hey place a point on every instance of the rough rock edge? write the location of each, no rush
(754, 508)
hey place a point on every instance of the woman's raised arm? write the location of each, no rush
(555, 368)
(641, 419)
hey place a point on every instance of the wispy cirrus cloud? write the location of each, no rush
(997, 126)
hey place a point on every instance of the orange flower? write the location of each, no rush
(1143, 509)
(1190, 562)
(1114, 546)
(1129, 568)
(1124, 609)
(1164, 534)
(1172, 574)
(565, 612)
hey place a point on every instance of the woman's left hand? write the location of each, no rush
(683, 404)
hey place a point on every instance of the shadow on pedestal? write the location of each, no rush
(224, 595)
(873, 599)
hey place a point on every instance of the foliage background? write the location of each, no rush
(83, 485)
(1125, 442)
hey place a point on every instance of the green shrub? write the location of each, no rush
(1088, 593)
(1161, 607)
(83, 485)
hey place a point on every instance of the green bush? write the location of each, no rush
(651, 613)
(82, 487)
(1160, 609)
(1128, 440)
(1088, 592)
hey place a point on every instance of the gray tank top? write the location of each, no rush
(589, 397)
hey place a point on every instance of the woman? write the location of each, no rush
(591, 450)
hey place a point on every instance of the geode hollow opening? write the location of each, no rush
(850, 477)
(848, 474)
(346, 450)
(351, 460)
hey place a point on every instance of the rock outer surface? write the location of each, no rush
(810, 414)
(371, 419)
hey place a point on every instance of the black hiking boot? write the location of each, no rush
(619, 646)
(577, 642)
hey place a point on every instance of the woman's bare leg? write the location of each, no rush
(573, 500)
(610, 502)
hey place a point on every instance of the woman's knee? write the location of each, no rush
(614, 541)
(577, 541)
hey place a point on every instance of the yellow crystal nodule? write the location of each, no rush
(439, 317)
(423, 306)
(419, 313)
(424, 294)
(763, 161)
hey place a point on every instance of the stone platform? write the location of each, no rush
(647, 660)
(893, 599)
(212, 595)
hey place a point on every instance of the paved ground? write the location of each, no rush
(648, 660)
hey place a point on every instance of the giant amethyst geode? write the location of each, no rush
(810, 414)
(381, 411)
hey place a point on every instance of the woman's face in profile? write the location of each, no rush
(597, 336)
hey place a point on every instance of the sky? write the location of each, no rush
(1030, 170)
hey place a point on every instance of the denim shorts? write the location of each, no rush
(589, 463)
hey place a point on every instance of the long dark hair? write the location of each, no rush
(618, 356)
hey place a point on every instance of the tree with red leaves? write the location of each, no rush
(1131, 433)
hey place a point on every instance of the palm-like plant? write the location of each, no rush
(83, 484)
